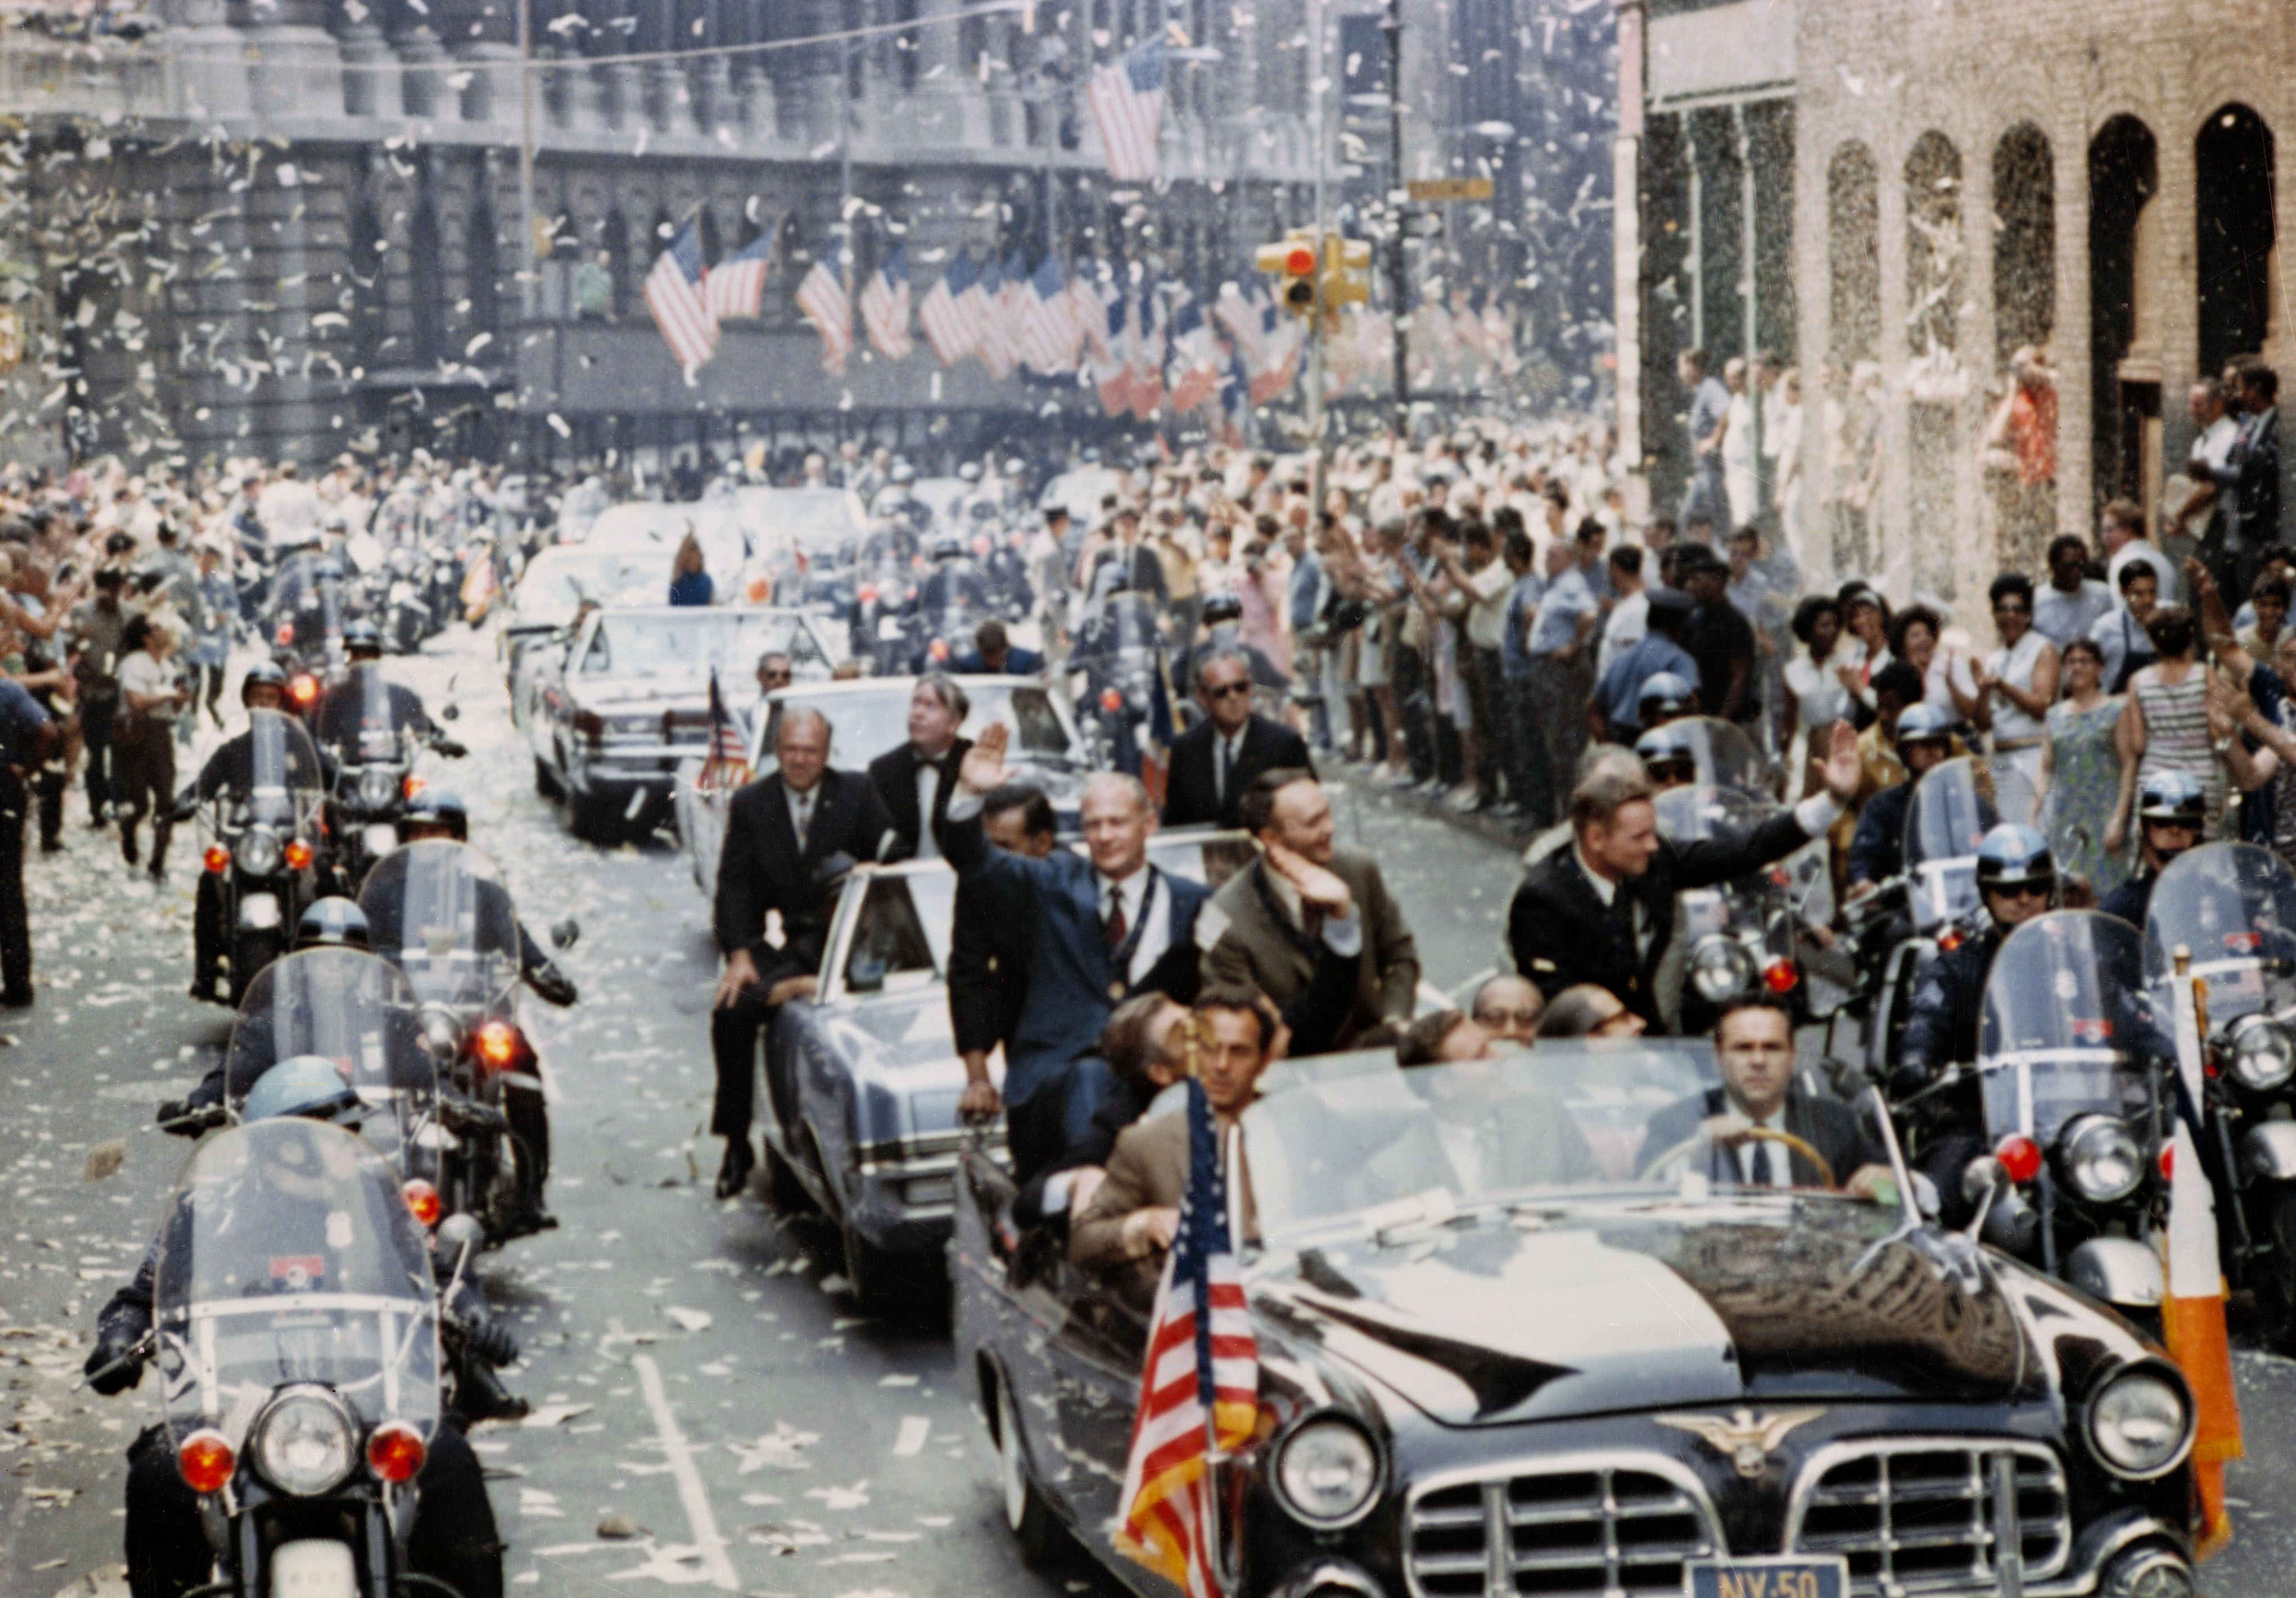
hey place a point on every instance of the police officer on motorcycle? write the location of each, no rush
(2172, 808)
(954, 581)
(454, 1540)
(1667, 755)
(336, 717)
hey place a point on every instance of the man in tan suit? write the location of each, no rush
(1259, 930)
(1135, 1213)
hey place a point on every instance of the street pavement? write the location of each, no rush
(700, 1381)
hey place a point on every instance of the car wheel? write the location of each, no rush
(1033, 1524)
(544, 783)
(2276, 1287)
(782, 1187)
(594, 819)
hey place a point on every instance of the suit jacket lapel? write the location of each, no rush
(824, 806)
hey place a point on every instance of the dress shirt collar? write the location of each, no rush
(1604, 888)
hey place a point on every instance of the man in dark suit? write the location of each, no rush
(1754, 1044)
(2254, 465)
(1602, 910)
(1270, 930)
(1106, 928)
(1214, 762)
(779, 832)
(990, 941)
(995, 654)
(915, 780)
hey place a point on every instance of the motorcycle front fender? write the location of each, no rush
(2268, 1151)
(2119, 1270)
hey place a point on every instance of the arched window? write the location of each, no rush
(370, 319)
(2024, 241)
(1934, 266)
(482, 264)
(426, 291)
(2123, 176)
(2233, 235)
(1853, 212)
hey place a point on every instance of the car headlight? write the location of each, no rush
(258, 852)
(305, 1443)
(2140, 1424)
(2101, 1159)
(378, 787)
(1720, 967)
(2263, 1054)
(1327, 1472)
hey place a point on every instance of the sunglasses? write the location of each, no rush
(2022, 891)
(1227, 690)
(1524, 1018)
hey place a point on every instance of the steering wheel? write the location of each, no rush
(1800, 1145)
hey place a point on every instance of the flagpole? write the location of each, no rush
(1317, 72)
(1396, 213)
(530, 255)
(845, 172)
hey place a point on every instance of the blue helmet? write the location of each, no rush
(1665, 745)
(1664, 693)
(301, 1084)
(1222, 604)
(1923, 724)
(2173, 796)
(2013, 855)
(331, 923)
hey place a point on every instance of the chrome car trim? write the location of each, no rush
(1326, 1576)
(1496, 1518)
(1959, 1474)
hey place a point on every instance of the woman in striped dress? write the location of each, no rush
(2164, 723)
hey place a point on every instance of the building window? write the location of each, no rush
(2233, 235)
(2124, 334)
(1934, 274)
(1853, 211)
(2024, 241)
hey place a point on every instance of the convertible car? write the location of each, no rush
(1587, 1367)
(867, 717)
(612, 716)
(862, 1082)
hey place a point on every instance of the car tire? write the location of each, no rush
(594, 820)
(544, 782)
(1035, 1527)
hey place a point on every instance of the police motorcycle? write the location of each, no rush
(951, 602)
(290, 1303)
(2073, 1063)
(374, 729)
(884, 600)
(306, 622)
(401, 600)
(2232, 908)
(1117, 671)
(438, 910)
(1932, 907)
(1004, 557)
(1744, 937)
(263, 828)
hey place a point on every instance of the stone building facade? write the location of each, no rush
(1923, 189)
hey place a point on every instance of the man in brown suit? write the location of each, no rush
(1135, 1213)
(1262, 930)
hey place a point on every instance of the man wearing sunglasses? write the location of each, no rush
(2016, 881)
(1215, 761)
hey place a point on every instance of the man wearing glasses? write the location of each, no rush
(1215, 761)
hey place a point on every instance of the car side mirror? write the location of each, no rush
(565, 934)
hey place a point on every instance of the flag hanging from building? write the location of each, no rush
(1111, 372)
(821, 297)
(1088, 302)
(1148, 357)
(1284, 336)
(885, 305)
(986, 299)
(1127, 101)
(1199, 1384)
(1049, 331)
(1194, 376)
(948, 326)
(673, 293)
(1244, 325)
(735, 287)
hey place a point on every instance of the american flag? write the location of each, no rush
(1112, 373)
(985, 300)
(1200, 1385)
(673, 293)
(949, 328)
(1284, 336)
(1195, 358)
(822, 297)
(736, 286)
(1148, 357)
(1088, 310)
(1127, 101)
(1048, 332)
(885, 305)
(727, 764)
(1243, 320)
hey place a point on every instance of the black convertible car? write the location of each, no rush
(1499, 1356)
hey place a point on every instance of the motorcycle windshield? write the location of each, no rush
(2066, 1028)
(2234, 907)
(438, 911)
(1690, 813)
(1953, 807)
(281, 771)
(289, 1255)
(363, 721)
(357, 1010)
(1726, 757)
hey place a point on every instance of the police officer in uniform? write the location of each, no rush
(2171, 809)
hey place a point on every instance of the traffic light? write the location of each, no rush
(1343, 259)
(1294, 261)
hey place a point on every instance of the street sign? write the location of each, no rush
(1423, 189)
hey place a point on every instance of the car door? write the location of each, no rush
(553, 706)
(1093, 1358)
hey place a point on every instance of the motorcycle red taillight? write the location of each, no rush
(422, 1201)
(298, 854)
(218, 859)
(395, 1452)
(1779, 976)
(414, 785)
(286, 634)
(1111, 700)
(2020, 1157)
(207, 1460)
(498, 1044)
(304, 688)
(940, 649)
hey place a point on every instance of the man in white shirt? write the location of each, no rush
(2071, 601)
(289, 508)
(2208, 511)
(2121, 532)
(916, 780)
(1630, 621)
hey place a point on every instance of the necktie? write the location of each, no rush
(1219, 769)
(1117, 926)
(804, 819)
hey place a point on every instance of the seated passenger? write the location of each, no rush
(1135, 1213)
(1144, 1057)
(1753, 1044)
(1508, 1008)
(1489, 1133)
(1585, 1010)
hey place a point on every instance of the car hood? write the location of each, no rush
(899, 1045)
(1617, 1308)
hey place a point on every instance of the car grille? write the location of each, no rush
(1916, 1515)
(1616, 1525)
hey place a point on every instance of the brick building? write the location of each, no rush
(1923, 188)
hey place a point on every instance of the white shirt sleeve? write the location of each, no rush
(1816, 812)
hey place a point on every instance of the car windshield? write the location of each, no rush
(865, 724)
(690, 643)
(362, 720)
(552, 592)
(1359, 1143)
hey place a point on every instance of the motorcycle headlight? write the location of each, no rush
(2100, 1157)
(1327, 1472)
(305, 1443)
(442, 1033)
(2263, 1053)
(1720, 967)
(378, 787)
(2140, 1424)
(258, 852)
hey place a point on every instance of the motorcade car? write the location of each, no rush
(1505, 1346)
(544, 604)
(613, 714)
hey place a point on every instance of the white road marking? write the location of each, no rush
(915, 1430)
(708, 1547)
